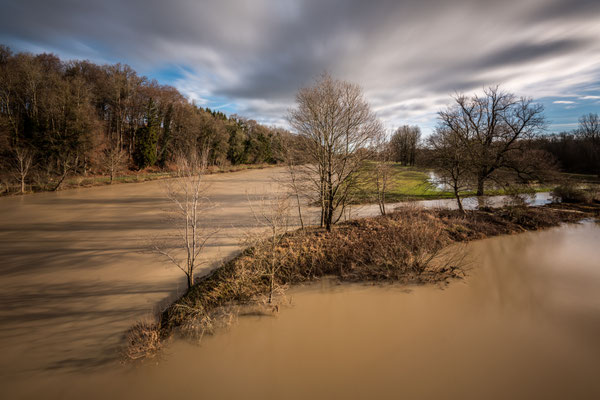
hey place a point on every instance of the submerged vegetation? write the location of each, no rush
(404, 246)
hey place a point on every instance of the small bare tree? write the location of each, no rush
(113, 160)
(66, 164)
(274, 215)
(296, 182)
(450, 160)
(335, 126)
(187, 193)
(23, 160)
(383, 170)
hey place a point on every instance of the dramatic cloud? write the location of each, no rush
(250, 57)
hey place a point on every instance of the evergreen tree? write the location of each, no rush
(146, 139)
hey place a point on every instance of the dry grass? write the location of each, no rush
(143, 342)
(399, 247)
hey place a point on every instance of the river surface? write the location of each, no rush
(524, 323)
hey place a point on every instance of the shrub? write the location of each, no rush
(569, 193)
(143, 341)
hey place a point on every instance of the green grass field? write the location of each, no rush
(410, 183)
(404, 183)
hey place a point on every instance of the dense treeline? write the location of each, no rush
(75, 117)
(577, 151)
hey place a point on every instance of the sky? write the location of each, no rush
(410, 56)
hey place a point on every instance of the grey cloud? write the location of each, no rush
(521, 53)
(257, 53)
(561, 9)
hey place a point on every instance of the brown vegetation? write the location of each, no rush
(143, 342)
(570, 193)
(397, 247)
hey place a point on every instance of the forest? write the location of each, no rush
(64, 118)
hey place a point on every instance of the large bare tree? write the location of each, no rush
(335, 125)
(494, 128)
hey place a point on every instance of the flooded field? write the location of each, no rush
(523, 324)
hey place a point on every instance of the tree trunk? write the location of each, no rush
(329, 214)
(480, 182)
(271, 288)
(459, 202)
(299, 211)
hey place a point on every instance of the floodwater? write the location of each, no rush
(74, 273)
(523, 324)
(74, 277)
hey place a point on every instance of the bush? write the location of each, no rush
(143, 341)
(569, 193)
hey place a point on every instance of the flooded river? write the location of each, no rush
(74, 277)
(523, 324)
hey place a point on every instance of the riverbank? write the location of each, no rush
(146, 175)
(403, 247)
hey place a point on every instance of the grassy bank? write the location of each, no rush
(405, 246)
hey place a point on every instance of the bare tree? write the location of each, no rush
(187, 193)
(383, 170)
(589, 131)
(450, 160)
(335, 125)
(66, 164)
(492, 128)
(113, 160)
(404, 143)
(274, 215)
(23, 160)
(293, 161)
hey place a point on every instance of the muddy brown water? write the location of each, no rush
(524, 323)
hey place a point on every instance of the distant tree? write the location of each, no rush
(383, 169)
(147, 139)
(404, 143)
(495, 129)
(113, 160)
(164, 145)
(23, 161)
(237, 145)
(335, 125)
(589, 131)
